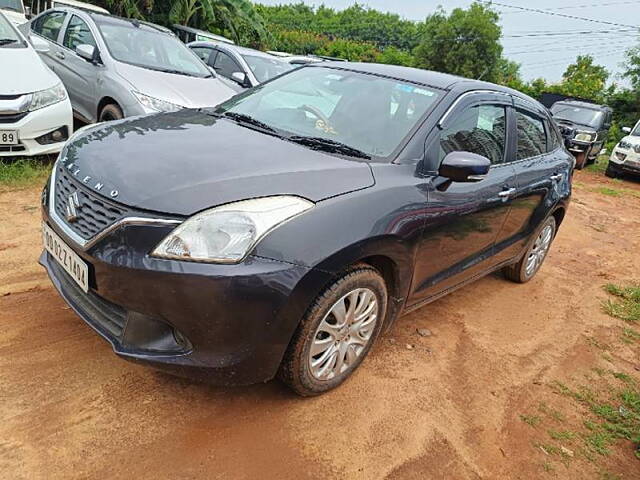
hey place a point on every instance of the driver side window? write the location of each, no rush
(78, 33)
(480, 129)
(225, 65)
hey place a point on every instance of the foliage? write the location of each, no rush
(350, 50)
(357, 23)
(22, 172)
(632, 66)
(466, 42)
(584, 79)
(627, 305)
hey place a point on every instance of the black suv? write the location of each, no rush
(585, 127)
(283, 231)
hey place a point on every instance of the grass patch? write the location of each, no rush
(627, 305)
(24, 172)
(561, 435)
(629, 335)
(599, 166)
(612, 419)
(555, 414)
(612, 192)
(532, 420)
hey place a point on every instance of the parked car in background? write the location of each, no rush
(585, 127)
(14, 11)
(282, 232)
(115, 67)
(625, 157)
(296, 59)
(39, 6)
(245, 66)
(188, 35)
(35, 112)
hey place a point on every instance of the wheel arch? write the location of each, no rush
(104, 101)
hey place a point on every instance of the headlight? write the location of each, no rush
(156, 104)
(585, 136)
(47, 97)
(226, 234)
(636, 148)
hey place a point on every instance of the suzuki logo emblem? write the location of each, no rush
(73, 205)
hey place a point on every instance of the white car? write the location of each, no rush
(625, 157)
(35, 112)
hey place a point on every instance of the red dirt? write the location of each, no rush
(448, 408)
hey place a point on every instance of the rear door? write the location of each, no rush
(465, 219)
(49, 27)
(81, 76)
(542, 170)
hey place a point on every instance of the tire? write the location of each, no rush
(581, 161)
(110, 112)
(522, 272)
(309, 374)
(610, 172)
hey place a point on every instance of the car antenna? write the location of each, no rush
(135, 23)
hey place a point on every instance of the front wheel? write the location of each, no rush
(610, 172)
(528, 266)
(336, 333)
(111, 112)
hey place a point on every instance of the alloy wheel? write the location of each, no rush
(343, 334)
(539, 250)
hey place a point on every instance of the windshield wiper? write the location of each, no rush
(328, 145)
(7, 41)
(246, 119)
(170, 70)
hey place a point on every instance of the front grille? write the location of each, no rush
(109, 318)
(94, 213)
(12, 148)
(12, 117)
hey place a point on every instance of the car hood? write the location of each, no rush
(632, 140)
(28, 72)
(185, 162)
(182, 90)
(16, 18)
(574, 126)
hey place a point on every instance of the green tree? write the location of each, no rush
(632, 66)
(584, 79)
(465, 42)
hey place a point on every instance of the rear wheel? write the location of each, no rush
(110, 112)
(528, 266)
(336, 333)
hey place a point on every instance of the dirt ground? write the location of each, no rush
(452, 406)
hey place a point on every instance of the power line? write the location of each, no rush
(591, 5)
(563, 15)
(556, 33)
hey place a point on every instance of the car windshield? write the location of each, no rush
(146, 47)
(636, 130)
(8, 36)
(14, 5)
(365, 112)
(265, 68)
(583, 116)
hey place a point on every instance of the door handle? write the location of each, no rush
(557, 177)
(507, 193)
(60, 55)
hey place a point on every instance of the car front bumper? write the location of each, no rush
(625, 161)
(35, 125)
(590, 149)
(226, 324)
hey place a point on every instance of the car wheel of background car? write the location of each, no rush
(528, 266)
(610, 172)
(336, 333)
(111, 112)
(581, 161)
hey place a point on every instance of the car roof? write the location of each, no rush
(236, 49)
(88, 7)
(581, 104)
(444, 81)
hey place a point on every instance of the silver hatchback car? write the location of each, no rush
(114, 67)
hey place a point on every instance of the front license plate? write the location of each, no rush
(67, 258)
(8, 137)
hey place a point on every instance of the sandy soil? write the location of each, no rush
(450, 407)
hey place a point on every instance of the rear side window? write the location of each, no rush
(78, 33)
(49, 25)
(532, 139)
(480, 130)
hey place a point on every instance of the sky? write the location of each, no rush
(540, 54)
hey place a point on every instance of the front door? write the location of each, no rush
(81, 75)
(464, 219)
(49, 27)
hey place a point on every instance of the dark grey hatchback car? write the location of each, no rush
(282, 232)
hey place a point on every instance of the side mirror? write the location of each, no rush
(240, 78)
(626, 129)
(88, 52)
(39, 45)
(464, 167)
